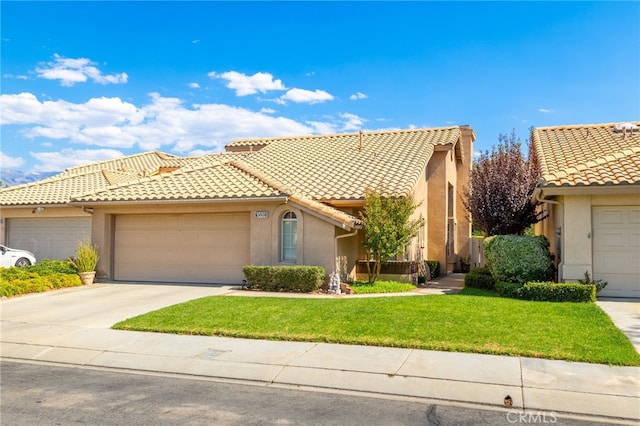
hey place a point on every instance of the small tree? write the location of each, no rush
(501, 186)
(388, 228)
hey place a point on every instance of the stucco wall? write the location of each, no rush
(437, 213)
(569, 230)
(315, 236)
(577, 253)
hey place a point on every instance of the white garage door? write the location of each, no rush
(199, 248)
(48, 238)
(616, 250)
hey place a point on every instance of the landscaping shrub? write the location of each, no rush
(600, 284)
(518, 258)
(16, 281)
(479, 278)
(434, 268)
(48, 267)
(303, 279)
(510, 290)
(548, 291)
(481, 270)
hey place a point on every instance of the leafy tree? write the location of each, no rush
(501, 186)
(388, 228)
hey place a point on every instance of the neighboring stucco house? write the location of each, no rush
(590, 187)
(293, 200)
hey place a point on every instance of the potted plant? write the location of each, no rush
(85, 261)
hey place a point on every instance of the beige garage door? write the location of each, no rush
(616, 250)
(55, 238)
(198, 248)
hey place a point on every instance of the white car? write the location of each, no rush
(13, 257)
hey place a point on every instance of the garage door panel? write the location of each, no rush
(48, 238)
(616, 250)
(182, 247)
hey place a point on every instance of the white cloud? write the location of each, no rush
(70, 71)
(545, 110)
(19, 77)
(194, 85)
(162, 123)
(57, 161)
(306, 96)
(195, 41)
(268, 110)
(248, 85)
(351, 121)
(358, 95)
(323, 128)
(7, 162)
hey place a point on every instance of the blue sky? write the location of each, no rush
(85, 81)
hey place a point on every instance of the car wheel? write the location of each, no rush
(22, 262)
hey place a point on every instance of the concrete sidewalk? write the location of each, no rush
(599, 392)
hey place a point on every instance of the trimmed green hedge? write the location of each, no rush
(509, 290)
(518, 258)
(43, 276)
(480, 278)
(52, 266)
(548, 291)
(434, 268)
(299, 279)
(16, 281)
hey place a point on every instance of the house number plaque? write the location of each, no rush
(262, 215)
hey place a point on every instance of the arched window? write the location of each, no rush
(289, 237)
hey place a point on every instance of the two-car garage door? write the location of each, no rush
(48, 238)
(616, 250)
(190, 248)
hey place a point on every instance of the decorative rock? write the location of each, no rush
(346, 288)
(334, 284)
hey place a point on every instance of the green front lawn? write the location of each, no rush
(365, 287)
(465, 322)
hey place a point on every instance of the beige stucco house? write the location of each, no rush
(590, 188)
(293, 200)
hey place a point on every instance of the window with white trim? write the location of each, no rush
(289, 237)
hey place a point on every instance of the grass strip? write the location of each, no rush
(475, 322)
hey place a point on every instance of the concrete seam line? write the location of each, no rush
(524, 406)
(403, 361)
(275, 378)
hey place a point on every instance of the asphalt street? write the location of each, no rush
(41, 394)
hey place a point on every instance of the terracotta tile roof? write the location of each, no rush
(216, 179)
(588, 155)
(313, 205)
(341, 167)
(54, 190)
(148, 161)
(308, 170)
(84, 179)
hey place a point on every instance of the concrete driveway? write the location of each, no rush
(100, 305)
(625, 314)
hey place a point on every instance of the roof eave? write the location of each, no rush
(279, 198)
(551, 190)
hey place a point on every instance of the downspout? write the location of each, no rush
(537, 195)
(335, 249)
